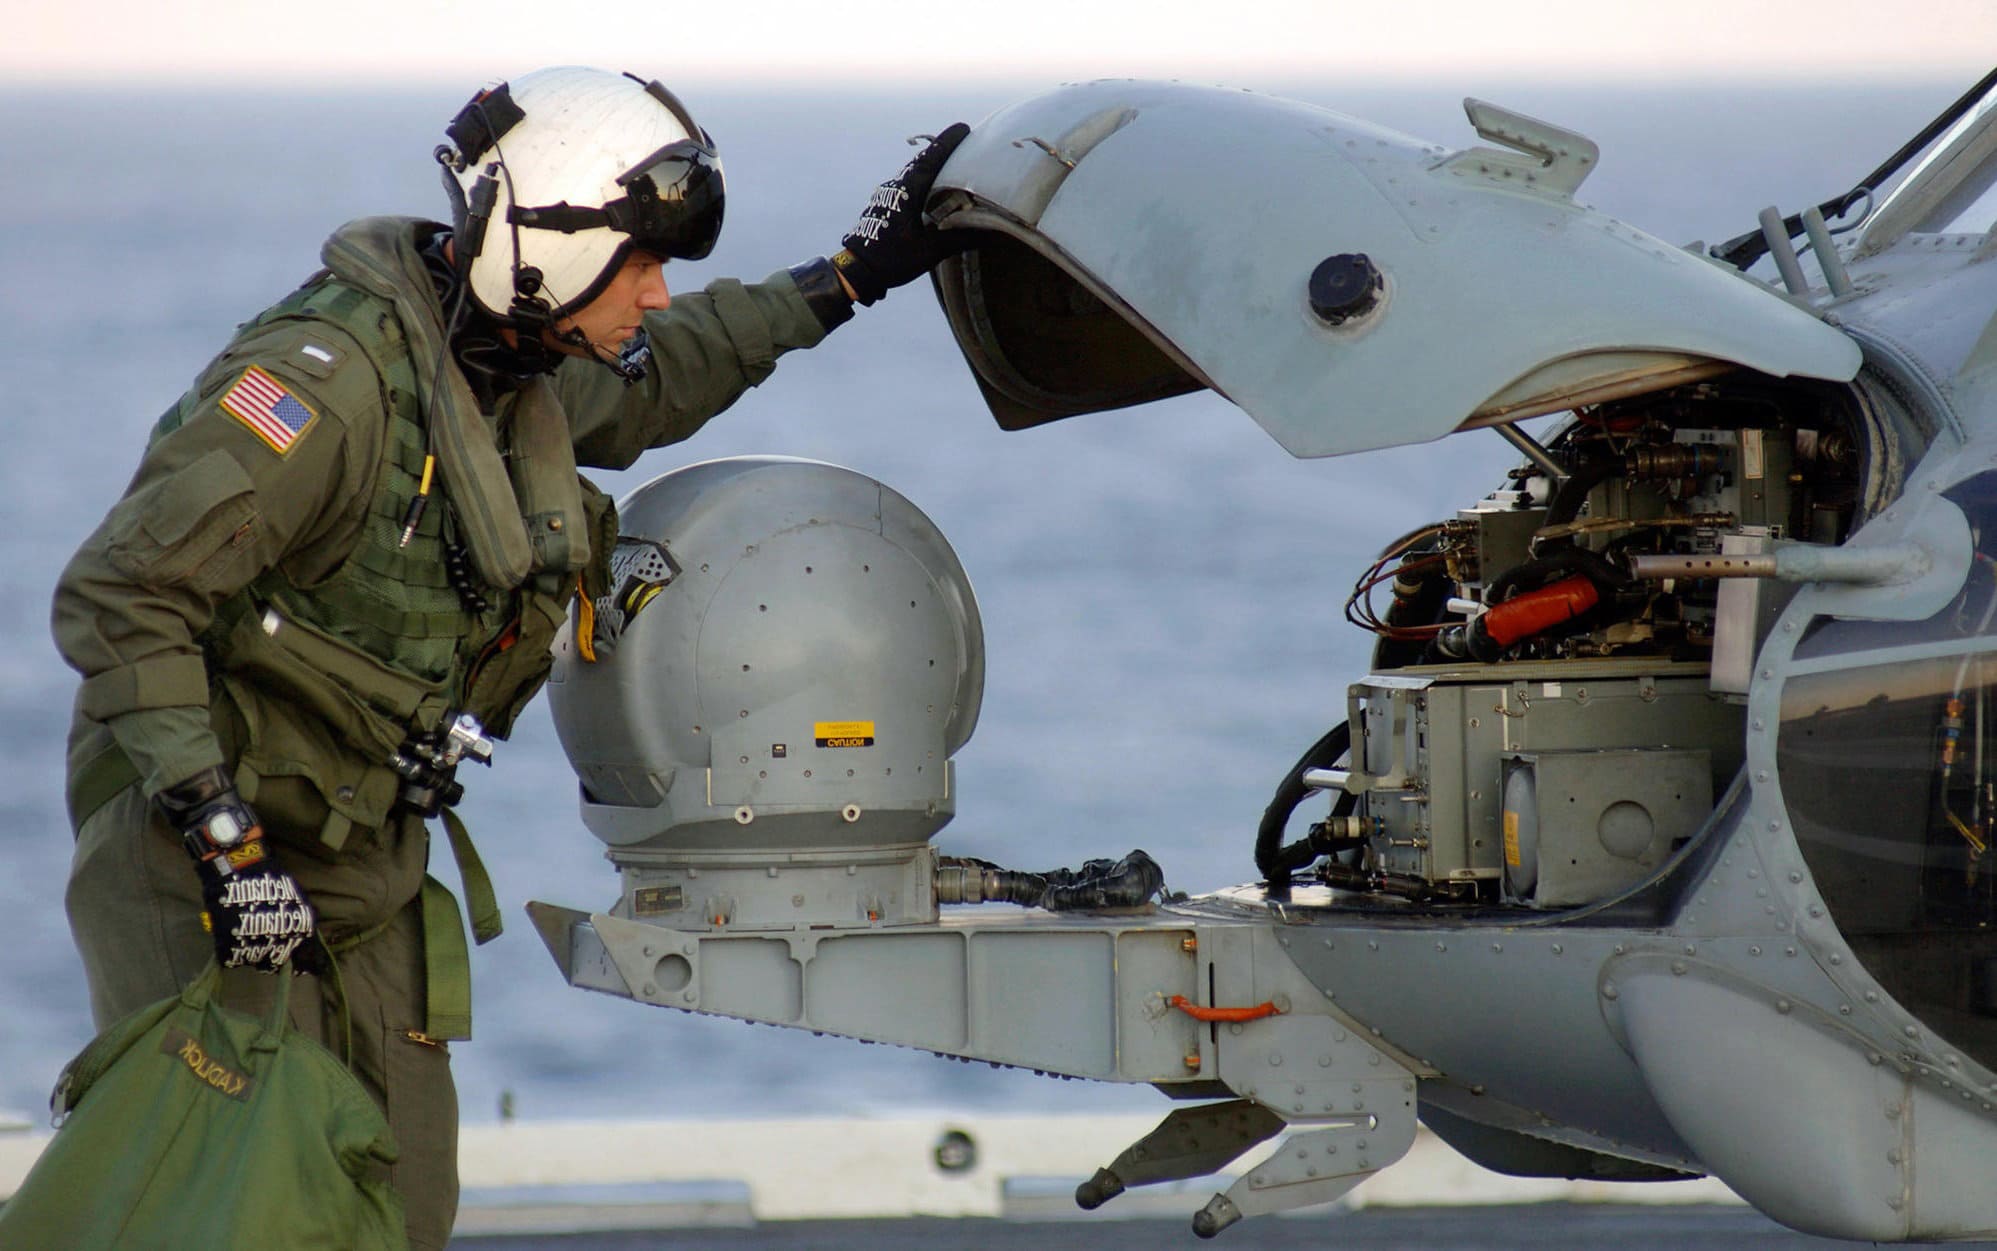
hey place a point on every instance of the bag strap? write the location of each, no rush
(82, 1072)
(447, 965)
(479, 896)
(201, 989)
(277, 1021)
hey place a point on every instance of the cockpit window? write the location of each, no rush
(1888, 759)
(1950, 189)
(1980, 215)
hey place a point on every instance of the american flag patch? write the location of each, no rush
(260, 402)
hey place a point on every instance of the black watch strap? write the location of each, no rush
(818, 283)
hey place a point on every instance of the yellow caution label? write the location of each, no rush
(1511, 838)
(650, 901)
(842, 733)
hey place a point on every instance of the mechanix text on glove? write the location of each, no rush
(259, 917)
(893, 243)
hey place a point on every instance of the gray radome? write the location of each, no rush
(800, 680)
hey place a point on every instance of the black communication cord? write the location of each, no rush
(414, 516)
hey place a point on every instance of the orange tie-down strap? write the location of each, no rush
(1198, 1013)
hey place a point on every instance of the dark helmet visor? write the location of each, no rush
(673, 201)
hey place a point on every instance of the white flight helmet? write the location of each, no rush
(557, 176)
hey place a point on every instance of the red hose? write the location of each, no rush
(1198, 1013)
(1523, 616)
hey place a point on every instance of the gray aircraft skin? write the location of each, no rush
(1658, 837)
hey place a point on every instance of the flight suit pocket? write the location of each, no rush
(188, 529)
(509, 678)
(306, 781)
(422, 1105)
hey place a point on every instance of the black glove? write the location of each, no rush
(893, 243)
(257, 913)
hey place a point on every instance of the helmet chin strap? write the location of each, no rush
(533, 321)
(627, 362)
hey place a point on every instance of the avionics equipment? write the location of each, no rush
(1563, 645)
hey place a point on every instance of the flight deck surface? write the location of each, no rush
(1434, 1229)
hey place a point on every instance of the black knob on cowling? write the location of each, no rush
(1345, 286)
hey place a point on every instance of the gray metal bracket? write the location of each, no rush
(1351, 1096)
(1087, 997)
(1191, 1142)
(1156, 999)
(1313, 1167)
(1542, 157)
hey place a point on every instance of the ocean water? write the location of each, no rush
(1161, 587)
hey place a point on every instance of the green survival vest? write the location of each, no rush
(385, 647)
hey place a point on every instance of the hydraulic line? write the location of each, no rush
(1550, 565)
(1552, 600)
(1373, 881)
(1421, 561)
(1131, 882)
(1566, 503)
(1272, 860)
(1533, 612)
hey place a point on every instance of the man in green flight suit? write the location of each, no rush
(347, 548)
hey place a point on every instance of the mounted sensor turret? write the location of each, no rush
(789, 655)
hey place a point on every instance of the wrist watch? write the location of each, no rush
(222, 829)
(221, 838)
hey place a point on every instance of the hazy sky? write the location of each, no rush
(263, 41)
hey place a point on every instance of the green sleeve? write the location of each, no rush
(707, 349)
(214, 504)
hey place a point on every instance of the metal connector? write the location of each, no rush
(466, 739)
(1326, 779)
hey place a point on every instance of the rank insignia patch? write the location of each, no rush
(260, 402)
